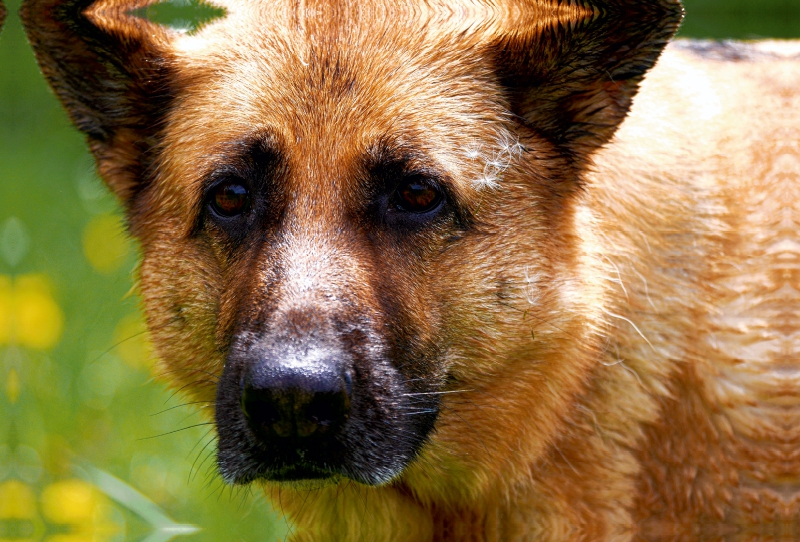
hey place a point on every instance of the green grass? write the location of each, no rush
(741, 19)
(81, 407)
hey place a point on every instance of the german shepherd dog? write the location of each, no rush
(444, 292)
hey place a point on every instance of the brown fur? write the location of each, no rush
(615, 329)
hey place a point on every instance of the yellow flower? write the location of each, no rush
(70, 502)
(80, 506)
(105, 243)
(29, 315)
(74, 537)
(5, 309)
(17, 501)
(39, 320)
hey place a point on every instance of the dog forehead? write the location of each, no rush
(325, 85)
(252, 20)
(331, 98)
(279, 56)
(333, 78)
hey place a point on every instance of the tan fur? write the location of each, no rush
(623, 346)
(723, 220)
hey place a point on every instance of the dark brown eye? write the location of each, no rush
(230, 199)
(418, 196)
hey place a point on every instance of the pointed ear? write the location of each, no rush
(573, 80)
(111, 72)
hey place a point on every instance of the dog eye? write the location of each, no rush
(417, 195)
(230, 199)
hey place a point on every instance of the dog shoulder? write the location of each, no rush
(699, 194)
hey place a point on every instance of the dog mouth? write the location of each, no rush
(300, 472)
(298, 468)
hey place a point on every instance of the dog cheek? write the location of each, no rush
(406, 297)
(181, 286)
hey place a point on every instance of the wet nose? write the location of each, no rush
(296, 402)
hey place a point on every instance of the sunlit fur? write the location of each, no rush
(619, 321)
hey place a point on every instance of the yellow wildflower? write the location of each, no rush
(105, 243)
(80, 506)
(5, 309)
(17, 501)
(39, 319)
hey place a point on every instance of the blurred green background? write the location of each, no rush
(92, 446)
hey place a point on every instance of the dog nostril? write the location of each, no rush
(267, 410)
(287, 404)
(323, 412)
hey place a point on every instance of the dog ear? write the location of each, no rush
(111, 72)
(573, 79)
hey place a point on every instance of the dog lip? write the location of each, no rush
(296, 473)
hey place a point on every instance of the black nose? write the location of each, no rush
(296, 402)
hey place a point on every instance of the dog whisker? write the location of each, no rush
(447, 392)
(176, 431)
(205, 404)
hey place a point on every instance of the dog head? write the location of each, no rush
(358, 221)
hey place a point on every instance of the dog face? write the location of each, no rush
(334, 348)
(359, 225)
